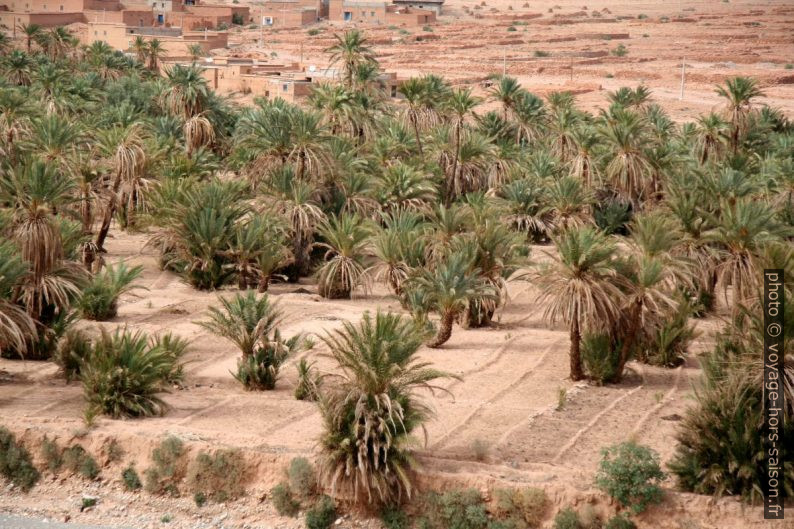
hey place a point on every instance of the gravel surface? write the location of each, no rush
(16, 522)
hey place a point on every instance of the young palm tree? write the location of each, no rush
(17, 329)
(627, 169)
(459, 104)
(123, 149)
(508, 92)
(449, 287)
(141, 49)
(155, 53)
(195, 51)
(739, 93)
(526, 208)
(372, 409)
(31, 32)
(18, 67)
(580, 286)
(251, 322)
(569, 202)
(309, 150)
(530, 118)
(401, 186)
(99, 299)
(347, 243)
(413, 91)
(711, 136)
(351, 50)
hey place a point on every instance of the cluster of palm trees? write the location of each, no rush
(649, 220)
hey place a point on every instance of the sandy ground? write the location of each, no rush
(715, 39)
(507, 401)
(512, 374)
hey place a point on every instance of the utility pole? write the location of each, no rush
(683, 76)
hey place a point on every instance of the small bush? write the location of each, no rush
(427, 29)
(200, 499)
(630, 474)
(394, 518)
(51, 454)
(168, 467)
(456, 509)
(522, 508)
(130, 478)
(87, 502)
(219, 476)
(612, 216)
(609, 76)
(642, 16)
(312, 32)
(124, 375)
(567, 518)
(322, 515)
(789, 66)
(99, 300)
(237, 19)
(511, 28)
(620, 51)
(620, 522)
(260, 370)
(283, 500)
(541, 53)
(78, 461)
(223, 26)
(15, 462)
(309, 381)
(600, 357)
(72, 350)
(173, 348)
(302, 478)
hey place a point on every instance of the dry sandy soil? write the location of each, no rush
(512, 374)
(716, 40)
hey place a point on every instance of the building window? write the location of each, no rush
(267, 21)
(284, 87)
(394, 91)
(162, 4)
(61, 8)
(348, 15)
(372, 13)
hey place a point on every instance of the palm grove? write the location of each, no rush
(646, 223)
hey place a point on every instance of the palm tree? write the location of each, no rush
(530, 118)
(347, 243)
(624, 137)
(337, 106)
(413, 91)
(351, 50)
(459, 104)
(569, 202)
(526, 208)
(372, 411)
(156, 52)
(449, 287)
(309, 151)
(31, 32)
(123, 150)
(739, 93)
(401, 186)
(580, 286)
(508, 92)
(17, 329)
(195, 51)
(141, 49)
(710, 138)
(251, 322)
(18, 66)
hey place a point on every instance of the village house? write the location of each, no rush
(378, 12)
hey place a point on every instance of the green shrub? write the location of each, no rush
(219, 476)
(612, 216)
(620, 51)
(308, 387)
(168, 467)
(541, 53)
(620, 522)
(522, 508)
(670, 341)
(174, 349)
(99, 300)
(78, 461)
(200, 499)
(630, 474)
(312, 32)
(124, 375)
(283, 500)
(237, 19)
(73, 348)
(15, 462)
(322, 515)
(600, 357)
(394, 518)
(427, 29)
(87, 502)
(130, 478)
(567, 518)
(511, 28)
(51, 454)
(789, 66)
(456, 509)
(642, 16)
(609, 76)
(223, 26)
(302, 478)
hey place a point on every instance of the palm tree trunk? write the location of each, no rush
(415, 124)
(85, 209)
(454, 164)
(110, 210)
(576, 354)
(444, 330)
(264, 283)
(629, 340)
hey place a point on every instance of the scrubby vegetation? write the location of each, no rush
(15, 462)
(648, 223)
(631, 475)
(219, 476)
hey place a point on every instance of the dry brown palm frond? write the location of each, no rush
(198, 132)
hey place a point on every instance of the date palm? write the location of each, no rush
(526, 208)
(17, 328)
(579, 286)
(155, 54)
(569, 202)
(346, 240)
(508, 92)
(372, 409)
(449, 287)
(738, 93)
(141, 49)
(350, 50)
(309, 150)
(18, 67)
(30, 32)
(401, 186)
(530, 118)
(624, 137)
(459, 104)
(710, 137)
(413, 90)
